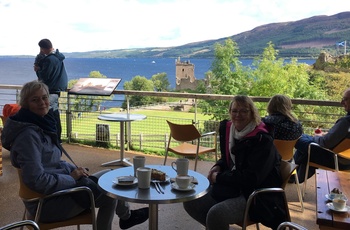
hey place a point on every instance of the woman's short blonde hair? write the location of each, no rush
(29, 89)
(246, 101)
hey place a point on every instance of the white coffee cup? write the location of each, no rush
(339, 203)
(144, 177)
(138, 161)
(180, 166)
(183, 181)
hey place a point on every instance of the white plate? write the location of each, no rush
(176, 187)
(167, 179)
(330, 196)
(331, 207)
(124, 184)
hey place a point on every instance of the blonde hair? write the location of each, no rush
(281, 104)
(29, 89)
(246, 102)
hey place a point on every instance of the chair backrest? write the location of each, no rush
(183, 132)
(21, 224)
(285, 148)
(343, 145)
(251, 198)
(290, 226)
(24, 192)
(84, 218)
(287, 170)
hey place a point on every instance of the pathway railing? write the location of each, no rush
(80, 123)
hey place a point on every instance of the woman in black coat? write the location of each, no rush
(248, 161)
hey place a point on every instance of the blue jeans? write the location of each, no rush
(300, 156)
(317, 155)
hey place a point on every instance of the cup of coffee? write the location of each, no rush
(138, 161)
(183, 181)
(180, 166)
(339, 203)
(144, 177)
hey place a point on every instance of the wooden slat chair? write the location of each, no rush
(341, 151)
(286, 150)
(185, 134)
(87, 217)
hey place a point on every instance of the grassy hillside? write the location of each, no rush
(305, 38)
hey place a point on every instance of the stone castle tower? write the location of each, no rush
(185, 78)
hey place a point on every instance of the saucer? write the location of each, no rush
(116, 181)
(176, 187)
(331, 207)
(167, 179)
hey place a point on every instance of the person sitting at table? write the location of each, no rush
(329, 140)
(31, 137)
(285, 125)
(249, 161)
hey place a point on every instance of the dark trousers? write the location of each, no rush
(318, 155)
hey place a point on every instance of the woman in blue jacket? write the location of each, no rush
(31, 137)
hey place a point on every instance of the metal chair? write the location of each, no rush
(290, 226)
(341, 151)
(87, 217)
(246, 220)
(187, 134)
(286, 172)
(21, 224)
(286, 150)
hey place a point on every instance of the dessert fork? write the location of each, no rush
(158, 188)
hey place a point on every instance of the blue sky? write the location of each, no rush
(86, 25)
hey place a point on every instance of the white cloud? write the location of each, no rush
(84, 25)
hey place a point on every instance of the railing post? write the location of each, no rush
(68, 119)
(140, 140)
(195, 110)
(17, 95)
(165, 141)
(128, 124)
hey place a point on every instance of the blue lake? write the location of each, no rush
(17, 71)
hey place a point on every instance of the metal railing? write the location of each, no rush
(80, 123)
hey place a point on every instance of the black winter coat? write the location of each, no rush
(257, 166)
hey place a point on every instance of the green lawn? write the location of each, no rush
(153, 130)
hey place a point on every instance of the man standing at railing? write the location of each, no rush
(49, 68)
(329, 140)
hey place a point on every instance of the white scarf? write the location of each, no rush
(235, 134)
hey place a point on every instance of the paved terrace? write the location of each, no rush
(171, 216)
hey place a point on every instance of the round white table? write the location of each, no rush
(122, 118)
(150, 196)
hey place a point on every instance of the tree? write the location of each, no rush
(140, 83)
(160, 82)
(229, 77)
(274, 76)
